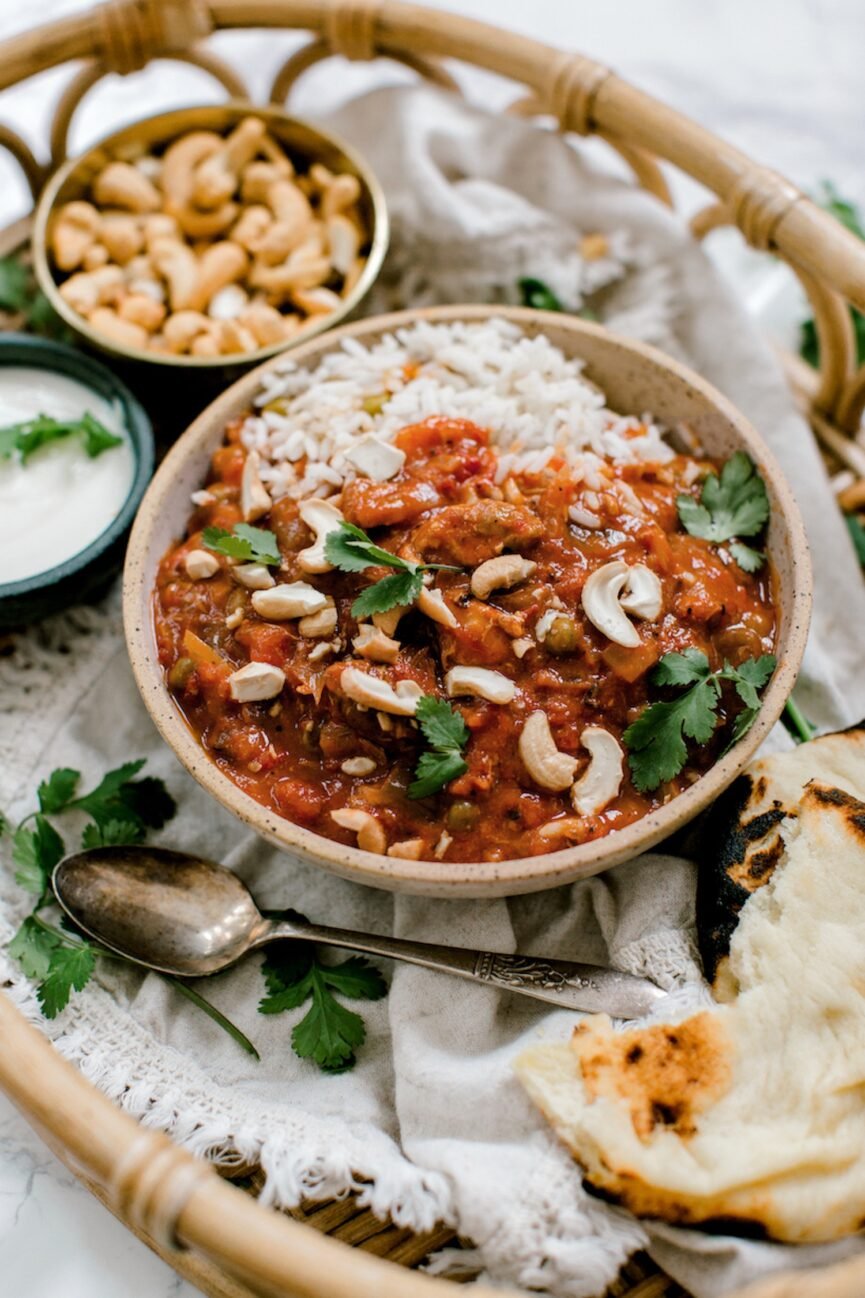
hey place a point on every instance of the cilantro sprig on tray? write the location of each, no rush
(349, 549)
(657, 739)
(447, 735)
(730, 506)
(120, 809)
(244, 542)
(26, 438)
(329, 1034)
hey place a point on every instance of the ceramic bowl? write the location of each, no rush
(302, 142)
(86, 574)
(635, 378)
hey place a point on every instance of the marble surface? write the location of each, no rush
(780, 78)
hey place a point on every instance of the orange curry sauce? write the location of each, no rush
(444, 507)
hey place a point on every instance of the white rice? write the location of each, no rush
(531, 398)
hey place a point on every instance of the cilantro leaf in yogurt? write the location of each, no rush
(26, 438)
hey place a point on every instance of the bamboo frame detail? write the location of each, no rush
(229, 1245)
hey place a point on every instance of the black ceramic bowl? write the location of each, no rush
(88, 573)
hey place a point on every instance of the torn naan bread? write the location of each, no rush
(749, 1116)
(741, 841)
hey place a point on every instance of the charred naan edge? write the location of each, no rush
(741, 844)
(746, 1117)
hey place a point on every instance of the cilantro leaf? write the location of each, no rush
(127, 806)
(399, 588)
(15, 284)
(442, 725)
(36, 852)
(355, 978)
(111, 833)
(656, 740)
(251, 544)
(328, 1033)
(58, 790)
(750, 677)
(748, 559)
(849, 216)
(857, 535)
(350, 549)
(5, 826)
(32, 947)
(434, 770)
(69, 967)
(733, 505)
(29, 436)
(681, 668)
(535, 293)
(447, 734)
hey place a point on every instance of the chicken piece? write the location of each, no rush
(469, 534)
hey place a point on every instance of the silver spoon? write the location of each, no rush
(180, 915)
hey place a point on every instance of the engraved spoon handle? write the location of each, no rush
(561, 982)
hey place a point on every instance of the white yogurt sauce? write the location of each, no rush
(61, 500)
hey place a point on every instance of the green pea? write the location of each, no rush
(179, 673)
(461, 815)
(562, 636)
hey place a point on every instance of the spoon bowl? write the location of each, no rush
(167, 910)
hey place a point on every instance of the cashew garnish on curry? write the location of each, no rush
(539, 608)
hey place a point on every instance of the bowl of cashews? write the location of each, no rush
(209, 237)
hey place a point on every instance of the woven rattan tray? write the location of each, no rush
(213, 1232)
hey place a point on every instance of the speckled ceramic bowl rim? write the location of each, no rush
(40, 353)
(444, 878)
(202, 117)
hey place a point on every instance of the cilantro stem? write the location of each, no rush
(212, 1012)
(796, 724)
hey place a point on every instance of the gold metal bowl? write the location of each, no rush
(302, 142)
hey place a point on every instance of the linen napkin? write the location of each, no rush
(431, 1124)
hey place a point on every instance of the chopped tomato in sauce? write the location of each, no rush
(445, 506)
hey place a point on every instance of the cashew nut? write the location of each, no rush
(216, 177)
(180, 161)
(370, 834)
(339, 194)
(642, 596)
(410, 849)
(251, 227)
(372, 692)
(602, 778)
(265, 323)
(316, 301)
(432, 604)
(201, 564)
(254, 576)
(375, 458)
(343, 241)
(602, 606)
(122, 185)
(503, 572)
(322, 518)
(206, 225)
(256, 681)
(545, 763)
(389, 621)
(321, 624)
(182, 328)
(568, 827)
(220, 264)
(178, 266)
(294, 599)
(291, 277)
(480, 682)
(357, 766)
(140, 309)
(74, 230)
(228, 303)
(232, 337)
(254, 499)
(375, 645)
(124, 332)
(122, 236)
